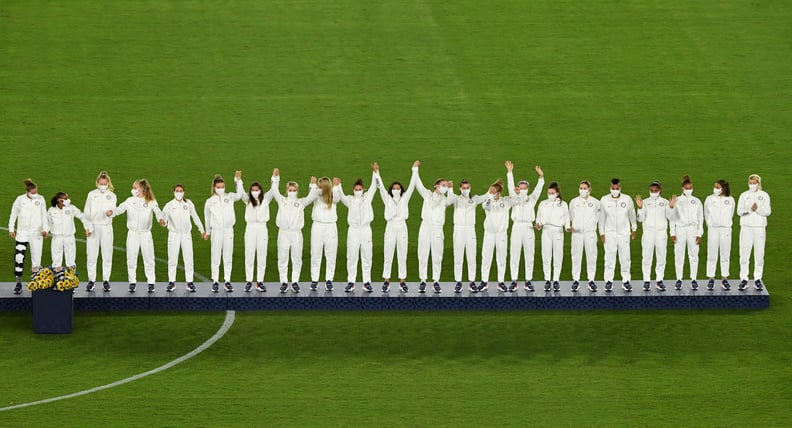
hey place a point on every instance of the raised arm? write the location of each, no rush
(372, 190)
(407, 194)
(539, 184)
(510, 178)
(423, 191)
(274, 186)
(240, 190)
(338, 192)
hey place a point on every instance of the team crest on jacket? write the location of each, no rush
(296, 204)
(36, 203)
(662, 204)
(108, 197)
(68, 212)
(760, 198)
(726, 202)
(145, 205)
(502, 205)
(184, 207)
(623, 204)
(591, 204)
(470, 201)
(225, 200)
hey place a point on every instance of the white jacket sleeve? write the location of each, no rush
(338, 195)
(196, 219)
(14, 215)
(208, 217)
(510, 183)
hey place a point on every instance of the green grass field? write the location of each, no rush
(178, 91)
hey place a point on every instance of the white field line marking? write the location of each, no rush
(229, 321)
(158, 259)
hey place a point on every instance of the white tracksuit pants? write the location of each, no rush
(36, 245)
(552, 252)
(464, 244)
(64, 247)
(290, 243)
(256, 240)
(324, 238)
(686, 239)
(222, 244)
(718, 244)
(430, 242)
(180, 242)
(584, 241)
(493, 242)
(653, 243)
(101, 238)
(140, 242)
(523, 240)
(617, 244)
(395, 240)
(359, 245)
(752, 238)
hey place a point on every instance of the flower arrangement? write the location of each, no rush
(47, 277)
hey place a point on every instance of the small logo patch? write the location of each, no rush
(623, 204)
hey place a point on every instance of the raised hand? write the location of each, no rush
(237, 175)
(336, 181)
(416, 164)
(375, 167)
(450, 184)
(539, 171)
(509, 166)
(313, 179)
(276, 172)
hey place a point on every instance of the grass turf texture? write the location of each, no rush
(175, 92)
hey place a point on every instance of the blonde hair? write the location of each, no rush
(292, 183)
(217, 179)
(145, 189)
(498, 185)
(326, 185)
(106, 176)
(29, 184)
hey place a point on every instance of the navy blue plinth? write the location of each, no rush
(52, 311)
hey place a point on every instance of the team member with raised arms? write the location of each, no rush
(290, 221)
(324, 234)
(220, 218)
(584, 212)
(617, 226)
(753, 208)
(465, 232)
(430, 235)
(654, 213)
(98, 202)
(397, 210)
(687, 228)
(29, 214)
(359, 218)
(179, 215)
(496, 223)
(257, 215)
(552, 218)
(140, 208)
(718, 213)
(61, 217)
(523, 240)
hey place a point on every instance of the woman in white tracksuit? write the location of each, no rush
(687, 228)
(523, 240)
(617, 226)
(179, 215)
(359, 217)
(257, 215)
(496, 224)
(465, 233)
(397, 210)
(753, 207)
(290, 221)
(324, 234)
(98, 202)
(552, 218)
(29, 214)
(139, 208)
(430, 235)
(584, 212)
(61, 217)
(654, 213)
(220, 218)
(718, 214)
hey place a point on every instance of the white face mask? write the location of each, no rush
(135, 192)
(753, 187)
(66, 202)
(551, 196)
(102, 187)
(583, 193)
(716, 191)
(255, 193)
(178, 195)
(443, 190)
(523, 192)
(292, 195)
(358, 193)
(615, 192)
(465, 192)
(687, 192)
(220, 191)
(654, 195)
(396, 193)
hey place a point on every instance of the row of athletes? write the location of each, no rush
(611, 219)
